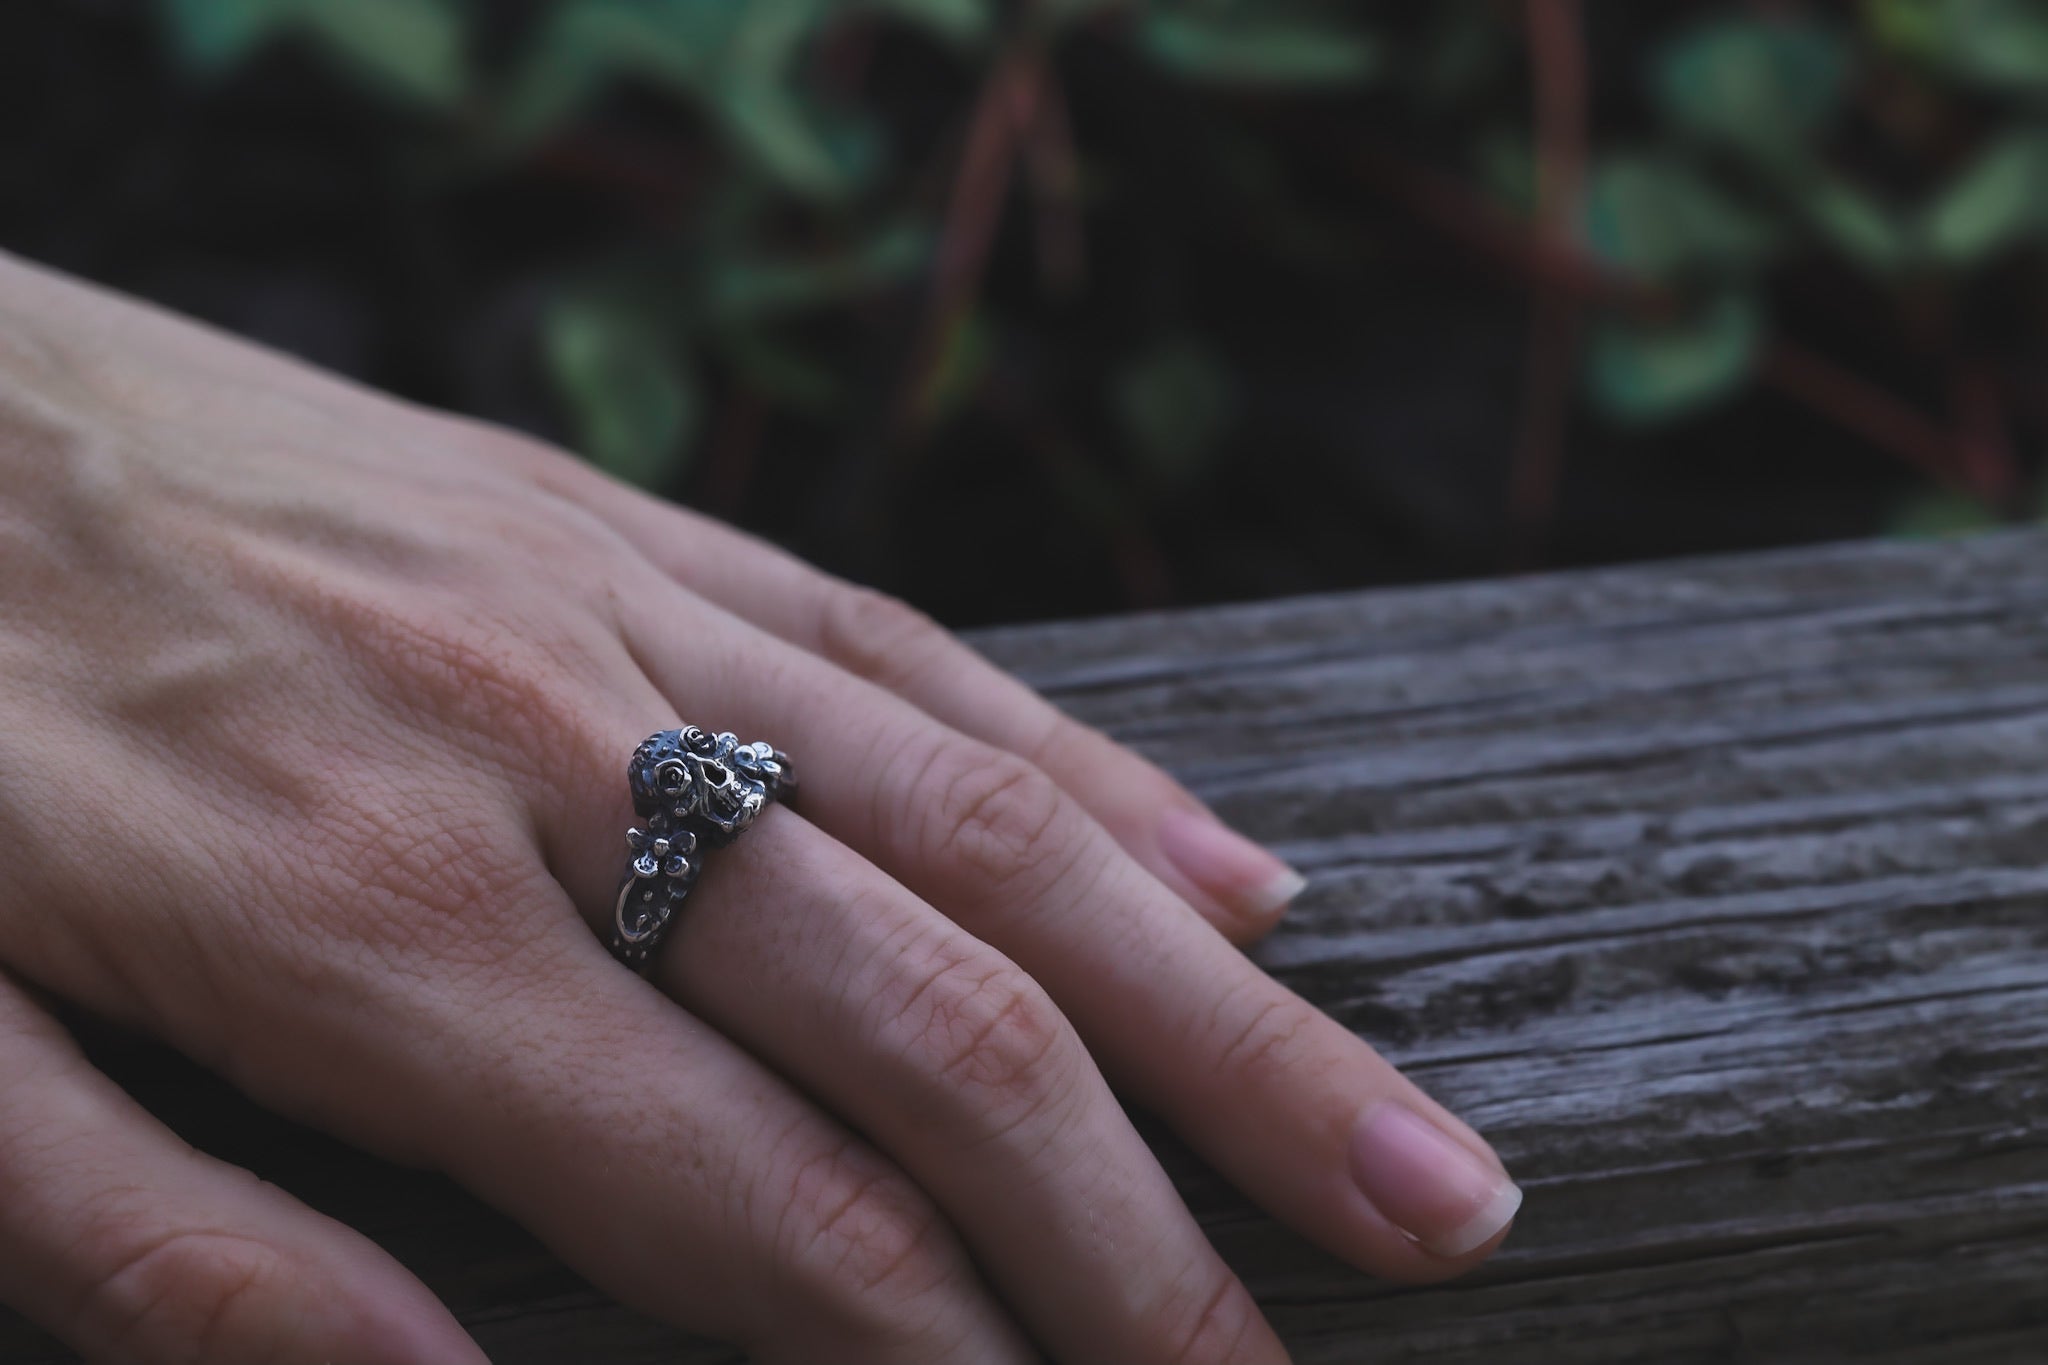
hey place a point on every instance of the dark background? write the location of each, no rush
(1035, 310)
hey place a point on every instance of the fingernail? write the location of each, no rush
(1427, 1183)
(1227, 865)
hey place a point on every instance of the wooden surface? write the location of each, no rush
(1716, 894)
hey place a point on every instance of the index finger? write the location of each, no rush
(1295, 1110)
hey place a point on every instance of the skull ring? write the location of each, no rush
(693, 791)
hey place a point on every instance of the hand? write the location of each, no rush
(314, 710)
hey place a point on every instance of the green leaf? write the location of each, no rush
(966, 353)
(783, 135)
(1763, 87)
(754, 87)
(740, 59)
(1177, 401)
(1643, 373)
(413, 49)
(964, 22)
(1911, 28)
(1937, 515)
(208, 36)
(1460, 51)
(1854, 224)
(1659, 218)
(1997, 44)
(1259, 51)
(778, 371)
(750, 291)
(587, 43)
(1505, 162)
(1053, 15)
(2001, 197)
(629, 394)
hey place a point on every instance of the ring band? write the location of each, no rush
(695, 791)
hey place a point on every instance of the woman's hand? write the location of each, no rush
(314, 711)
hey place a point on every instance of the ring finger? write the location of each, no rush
(673, 1170)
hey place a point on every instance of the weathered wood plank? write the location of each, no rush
(1715, 893)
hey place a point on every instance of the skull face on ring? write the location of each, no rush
(712, 783)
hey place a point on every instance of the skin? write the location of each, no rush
(313, 716)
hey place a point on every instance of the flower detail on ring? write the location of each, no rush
(661, 855)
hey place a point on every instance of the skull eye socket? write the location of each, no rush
(717, 774)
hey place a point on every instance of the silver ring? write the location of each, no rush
(693, 791)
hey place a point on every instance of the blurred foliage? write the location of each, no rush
(413, 49)
(1893, 152)
(621, 345)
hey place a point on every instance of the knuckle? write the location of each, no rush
(457, 653)
(989, 814)
(1220, 1330)
(524, 456)
(865, 1250)
(186, 1296)
(1066, 742)
(567, 523)
(505, 683)
(392, 897)
(514, 692)
(1066, 745)
(880, 1243)
(874, 635)
(447, 881)
(509, 448)
(992, 1037)
(1261, 1036)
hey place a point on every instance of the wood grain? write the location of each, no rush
(1716, 894)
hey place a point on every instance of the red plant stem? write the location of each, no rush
(846, 58)
(1055, 173)
(1558, 61)
(1008, 103)
(1480, 226)
(1860, 406)
(1989, 464)
(1139, 562)
(664, 182)
(729, 464)
(1818, 384)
